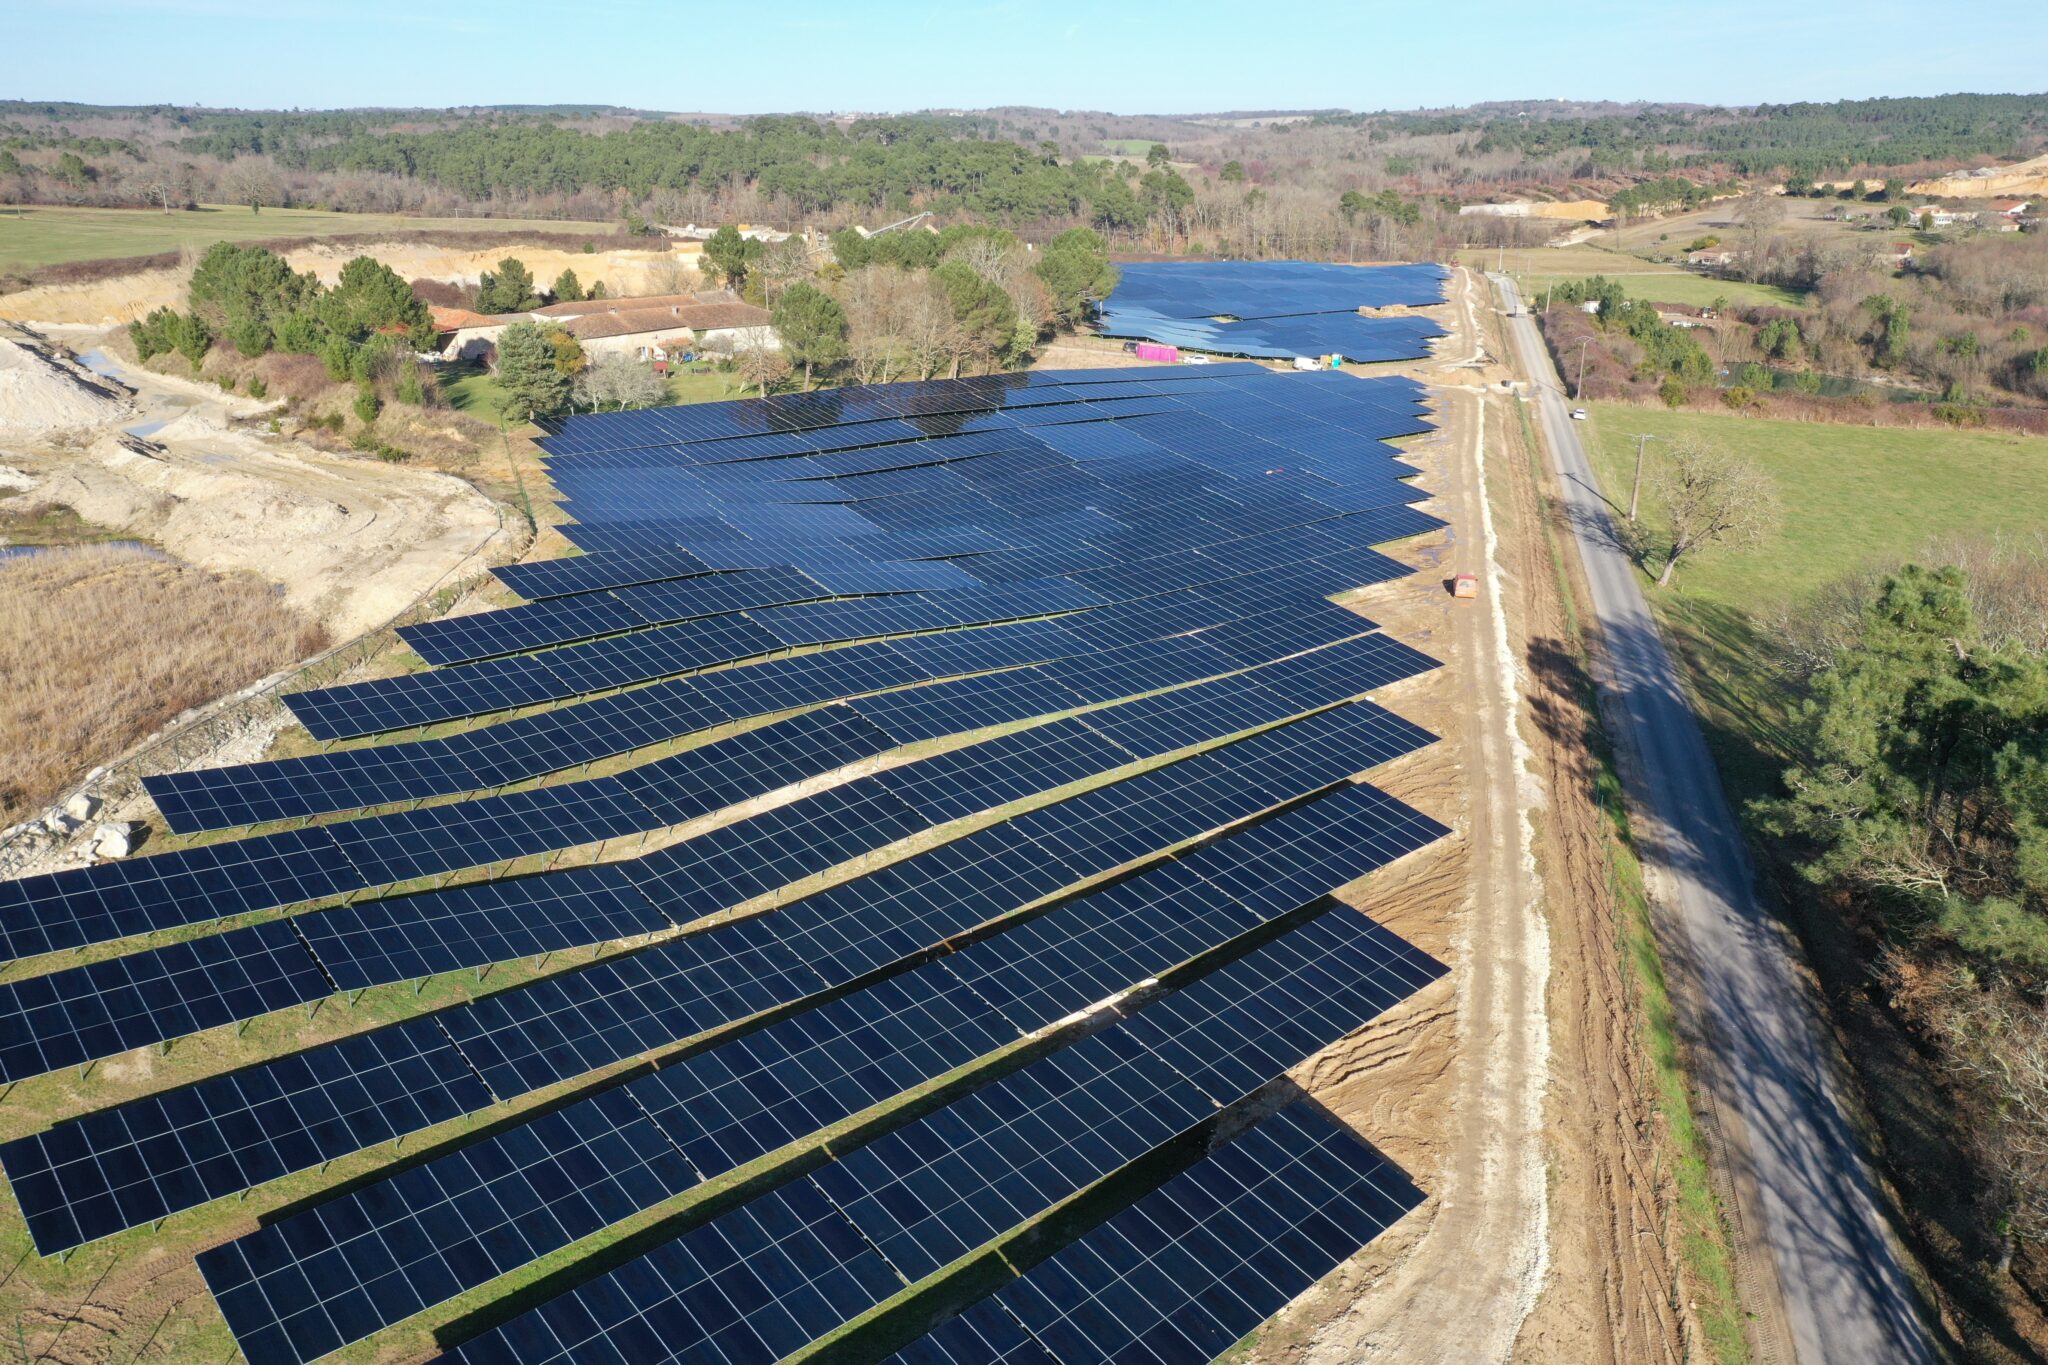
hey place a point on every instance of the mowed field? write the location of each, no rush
(38, 236)
(1851, 497)
(1537, 268)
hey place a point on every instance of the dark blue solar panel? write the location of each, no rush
(67, 1017)
(1190, 1269)
(91, 1176)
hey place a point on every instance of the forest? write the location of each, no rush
(1327, 185)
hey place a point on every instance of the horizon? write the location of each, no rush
(915, 55)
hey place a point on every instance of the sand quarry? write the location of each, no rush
(114, 302)
(350, 542)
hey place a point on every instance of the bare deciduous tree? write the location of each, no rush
(617, 379)
(1712, 498)
(760, 366)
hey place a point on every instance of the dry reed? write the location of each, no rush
(100, 645)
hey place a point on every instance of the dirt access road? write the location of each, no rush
(1515, 1099)
(1802, 1190)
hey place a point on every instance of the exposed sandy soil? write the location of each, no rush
(42, 392)
(106, 303)
(2017, 181)
(350, 541)
(1512, 1091)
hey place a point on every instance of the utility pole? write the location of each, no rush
(1580, 392)
(1635, 491)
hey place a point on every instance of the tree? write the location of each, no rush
(782, 264)
(1927, 220)
(1075, 267)
(1115, 209)
(1711, 499)
(1964, 347)
(246, 293)
(370, 297)
(760, 365)
(1232, 173)
(568, 289)
(72, 171)
(1156, 156)
(812, 326)
(1760, 213)
(507, 290)
(1894, 188)
(726, 258)
(165, 330)
(568, 351)
(986, 318)
(620, 380)
(527, 371)
(1898, 215)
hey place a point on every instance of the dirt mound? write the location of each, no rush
(40, 393)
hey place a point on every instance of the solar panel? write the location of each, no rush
(92, 1176)
(727, 1105)
(296, 1291)
(803, 1267)
(1191, 1268)
(119, 899)
(64, 1018)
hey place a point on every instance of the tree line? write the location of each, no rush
(1916, 806)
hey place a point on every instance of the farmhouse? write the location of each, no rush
(650, 327)
(1713, 258)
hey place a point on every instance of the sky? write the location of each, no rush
(1170, 56)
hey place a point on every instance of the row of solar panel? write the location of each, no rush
(418, 699)
(120, 899)
(451, 1225)
(534, 745)
(1265, 289)
(784, 1269)
(95, 1175)
(1359, 340)
(873, 414)
(791, 413)
(68, 1017)
(1191, 1268)
(564, 619)
(1302, 417)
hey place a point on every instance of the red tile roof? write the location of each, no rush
(451, 319)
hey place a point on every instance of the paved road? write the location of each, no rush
(1844, 1293)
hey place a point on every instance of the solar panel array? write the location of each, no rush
(1103, 593)
(726, 1106)
(1276, 309)
(912, 1201)
(68, 1017)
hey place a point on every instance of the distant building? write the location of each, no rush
(2015, 209)
(1900, 254)
(1713, 258)
(690, 232)
(668, 332)
(651, 327)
